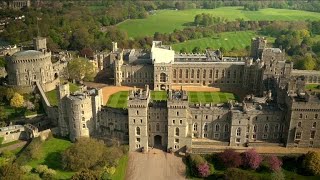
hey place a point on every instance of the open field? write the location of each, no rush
(166, 21)
(210, 97)
(227, 40)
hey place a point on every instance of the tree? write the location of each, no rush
(196, 50)
(81, 69)
(17, 100)
(203, 170)
(11, 171)
(86, 153)
(85, 174)
(238, 174)
(251, 159)
(3, 114)
(311, 163)
(9, 93)
(273, 163)
(230, 158)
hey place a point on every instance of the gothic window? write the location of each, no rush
(187, 73)
(314, 124)
(211, 73)
(299, 124)
(204, 73)
(177, 113)
(298, 135)
(177, 131)
(192, 73)
(162, 77)
(157, 127)
(226, 128)
(266, 128)
(180, 73)
(137, 112)
(195, 127)
(217, 127)
(217, 73)
(198, 73)
(238, 131)
(138, 131)
(205, 127)
(174, 73)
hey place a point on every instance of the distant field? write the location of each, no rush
(210, 97)
(166, 21)
(227, 40)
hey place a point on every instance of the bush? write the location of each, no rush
(278, 175)
(203, 170)
(10, 171)
(26, 169)
(195, 161)
(85, 174)
(238, 174)
(251, 159)
(230, 158)
(311, 163)
(41, 169)
(273, 163)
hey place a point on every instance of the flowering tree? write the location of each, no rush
(203, 170)
(230, 158)
(251, 159)
(273, 163)
(311, 162)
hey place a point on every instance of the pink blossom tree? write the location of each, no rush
(230, 158)
(203, 170)
(273, 163)
(251, 159)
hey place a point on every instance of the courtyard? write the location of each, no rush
(155, 165)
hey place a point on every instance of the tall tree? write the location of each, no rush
(17, 101)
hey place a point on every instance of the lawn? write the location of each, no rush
(118, 100)
(313, 87)
(121, 169)
(9, 143)
(166, 21)
(52, 157)
(210, 97)
(227, 40)
(53, 96)
(159, 95)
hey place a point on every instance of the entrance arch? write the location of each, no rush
(157, 141)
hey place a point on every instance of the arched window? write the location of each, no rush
(174, 73)
(177, 131)
(180, 73)
(195, 127)
(299, 124)
(316, 116)
(314, 124)
(162, 77)
(187, 73)
(226, 128)
(205, 127)
(192, 73)
(266, 128)
(157, 127)
(255, 128)
(300, 116)
(198, 73)
(238, 131)
(138, 131)
(217, 127)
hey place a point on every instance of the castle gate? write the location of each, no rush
(157, 141)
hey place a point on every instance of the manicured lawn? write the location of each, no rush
(166, 21)
(121, 169)
(159, 95)
(53, 96)
(227, 40)
(313, 86)
(210, 97)
(118, 100)
(52, 150)
(16, 112)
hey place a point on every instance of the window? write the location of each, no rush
(138, 131)
(216, 135)
(314, 124)
(238, 131)
(192, 73)
(238, 140)
(180, 73)
(134, 121)
(140, 120)
(312, 134)
(195, 127)
(137, 113)
(217, 73)
(204, 73)
(149, 127)
(298, 135)
(228, 74)
(299, 124)
(198, 73)
(205, 135)
(205, 128)
(162, 77)
(173, 121)
(138, 139)
(265, 136)
(157, 127)
(187, 73)
(174, 73)
(226, 128)
(217, 127)
(180, 121)
(234, 74)
(177, 113)
(211, 74)
(177, 131)
(300, 116)
(266, 128)
(316, 116)
(276, 128)
(222, 73)
(176, 140)
(83, 125)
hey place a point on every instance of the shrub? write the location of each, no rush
(41, 169)
(277, 175)
(48, 174)
(85, 174)
(311, 163)
(195, 160)
(230, 158)
(26, 169)
(10, 171)
(251, 159)
(203, 170)
(273, 163)
(238, 174)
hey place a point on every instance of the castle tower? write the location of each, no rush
(179, 123)
(117, 58)
(40, 43)
(257, 45)
(63, 122)
(138, 112)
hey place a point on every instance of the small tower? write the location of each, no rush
(257, 46)
(40, 43)
(63, 123)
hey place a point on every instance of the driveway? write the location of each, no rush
(155, 165)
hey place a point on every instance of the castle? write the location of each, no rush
(275, 109)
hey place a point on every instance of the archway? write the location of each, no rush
(163, 87)
(158, 141)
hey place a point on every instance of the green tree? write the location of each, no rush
(81, 69)
(11, 172)
(85, 174)
(311, 162)
(17, 101)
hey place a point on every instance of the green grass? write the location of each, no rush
(210, 97)
(121, 169)
(9, 143)
(227, 40)
(118, 100)
(53, 96)
(51, 150)
(159, 95)
(313, 87)
(166, 21)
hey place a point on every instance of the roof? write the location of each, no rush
(27, 54)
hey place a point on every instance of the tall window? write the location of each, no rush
(180, 73)
(238, 131)
(204, 73)
(205, 128)
(255, 128)
(211, 73)
(187, 73)
(298, 135)
(137, 131)
(228, 74)
(234, 74)
(313, 133)
(162, 77)
(174, 73)
(198, 73)
(226, 128)
(299, 124)
(157, 127)
(300, 116)
(222, 73)
(314, 124)
(266, 128)
(217, 127)
(177, 131)
(316, 116)
(192, 73)
(217, 73)
(195, 127)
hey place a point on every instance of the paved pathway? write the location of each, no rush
(13, 146)
(155, 165)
